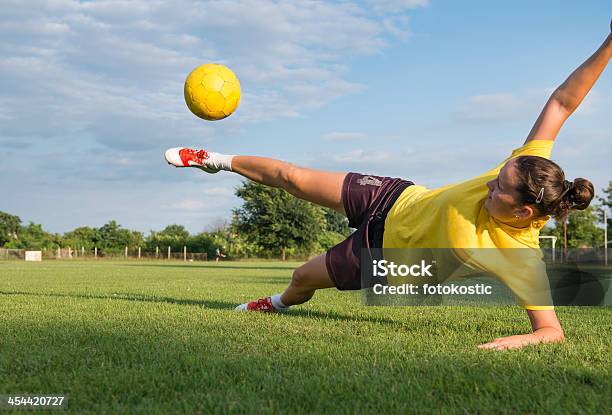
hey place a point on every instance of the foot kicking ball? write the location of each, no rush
(212, 91)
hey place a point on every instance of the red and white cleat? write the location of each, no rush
(263, 304)
(187, 157)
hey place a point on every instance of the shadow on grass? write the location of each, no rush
(211, 266)
(212, 304)
(219, 305)
(264, 280)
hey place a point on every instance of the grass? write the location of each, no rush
(161, 337)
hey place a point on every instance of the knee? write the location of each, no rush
(299, 278)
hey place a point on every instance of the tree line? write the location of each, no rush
(270, 224)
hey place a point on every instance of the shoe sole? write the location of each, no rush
(171, 158)
(243, 308)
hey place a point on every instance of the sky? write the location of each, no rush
(433, 91)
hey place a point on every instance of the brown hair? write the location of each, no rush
(542, 185)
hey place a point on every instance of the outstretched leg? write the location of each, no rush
(316, 186)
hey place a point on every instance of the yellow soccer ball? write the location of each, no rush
(212, 91)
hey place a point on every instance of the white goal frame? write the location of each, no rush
(554, 242)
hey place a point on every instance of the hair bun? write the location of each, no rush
(580, 194)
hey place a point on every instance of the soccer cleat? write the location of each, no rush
(187, 157)
(263, 304)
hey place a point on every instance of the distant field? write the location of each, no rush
(161, 337)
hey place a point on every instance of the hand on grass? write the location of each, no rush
(511, 342)
(542, 335)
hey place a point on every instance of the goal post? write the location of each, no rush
(554, 242)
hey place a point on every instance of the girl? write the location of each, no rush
(504, 208)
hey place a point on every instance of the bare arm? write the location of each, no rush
(568, 96)
(546, 329)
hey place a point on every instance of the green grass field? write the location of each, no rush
(161, 337)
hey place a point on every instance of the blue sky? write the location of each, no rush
(432, 91)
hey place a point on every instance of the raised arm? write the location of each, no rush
(567, 97)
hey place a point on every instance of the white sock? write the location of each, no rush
(220, 161)
(277, 303)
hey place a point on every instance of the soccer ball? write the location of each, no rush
(212, 91)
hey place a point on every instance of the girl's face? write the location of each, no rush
(503, 199)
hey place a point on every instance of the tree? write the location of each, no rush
(582, 229)
(232, 242)
(606, 200)
(114, 238)
(33, 236)
(336, 230)
(606, 204)
(173, 236)
(83, 236)
(328, 239)
(336, 222)
(9, 227)
(176, 232)
(277, 221)
(202, 243)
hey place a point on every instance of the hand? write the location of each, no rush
(511, 342)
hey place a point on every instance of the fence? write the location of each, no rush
(138, 253)
(552, 254)
(555, 254)
(12, 253)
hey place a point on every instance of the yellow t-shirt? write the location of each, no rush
(454, 216)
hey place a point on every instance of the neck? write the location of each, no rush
(517, 223)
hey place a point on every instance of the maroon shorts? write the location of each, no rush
(366, 200)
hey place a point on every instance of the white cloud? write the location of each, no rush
(505, 106)
(34, 27)
(96, 86)
(344, 136)
(82, 62)
(218, 191)
(520, 107)
(425, 162)
(361, 156)
(210, 198)
(396, 6)
(189, 205)
(494, 106)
